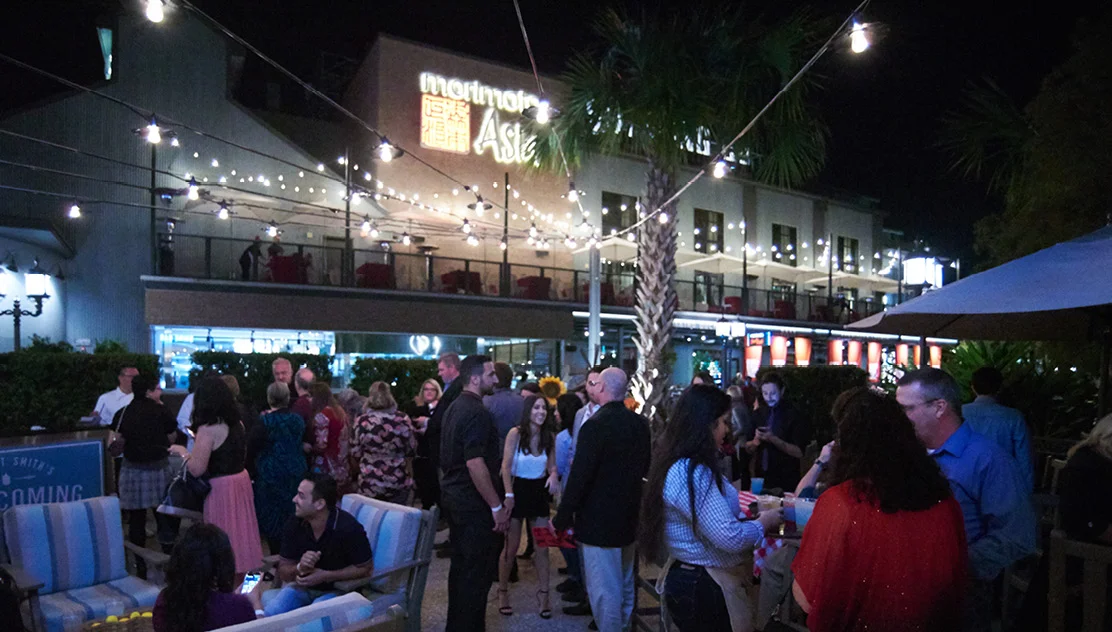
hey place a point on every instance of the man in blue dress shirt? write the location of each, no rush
(1006, 426)
(995, 500)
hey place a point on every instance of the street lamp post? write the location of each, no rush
(36, 291)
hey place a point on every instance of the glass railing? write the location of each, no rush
(206, 257)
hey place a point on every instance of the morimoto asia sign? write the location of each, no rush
(446, 118)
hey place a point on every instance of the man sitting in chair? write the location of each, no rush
(322, 544)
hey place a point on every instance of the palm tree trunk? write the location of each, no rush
(656, 298)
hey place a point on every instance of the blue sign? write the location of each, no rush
(53, 473)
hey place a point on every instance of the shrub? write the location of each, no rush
(404, 376)
(813, 389)
(253, 370)
(44, 385)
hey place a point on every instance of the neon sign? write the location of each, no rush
(446, 118)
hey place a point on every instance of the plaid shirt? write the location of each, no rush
(722, 536)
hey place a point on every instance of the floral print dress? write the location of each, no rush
(381, 441)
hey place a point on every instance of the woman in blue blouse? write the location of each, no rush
(699, 525)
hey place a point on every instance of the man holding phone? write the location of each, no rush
(322, 544)
(780, 437)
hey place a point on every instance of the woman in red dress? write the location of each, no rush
(885, 547)
(331, 436)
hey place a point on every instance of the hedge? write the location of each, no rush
(56, 388)
(404, 376)
(253, 371)
(813, 389)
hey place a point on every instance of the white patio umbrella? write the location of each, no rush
(1060, 293)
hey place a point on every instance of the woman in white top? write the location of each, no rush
(530, 478)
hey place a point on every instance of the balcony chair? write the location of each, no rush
(535, 288)
(378, 276)
(69, 563)
(784, 310)
(733, 304)
(401, 538)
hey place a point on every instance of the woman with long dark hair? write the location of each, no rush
(885, 547)
(219, 453)
(691, 514)
(529, 470)
(200, 585)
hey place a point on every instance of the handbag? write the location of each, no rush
(116, 442)
(185, 496)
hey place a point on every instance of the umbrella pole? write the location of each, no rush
(924, 353)
(1105, 361)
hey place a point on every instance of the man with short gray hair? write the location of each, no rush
(994, 497)
(603, 499)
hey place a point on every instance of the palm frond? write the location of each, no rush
(986, 135)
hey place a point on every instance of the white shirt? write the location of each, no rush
(109, 403)
(529, 466)
(185, 412)
(581, 418)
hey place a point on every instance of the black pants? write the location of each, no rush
(475, 551)
(428, 485)
(695, 600)
(137, 533)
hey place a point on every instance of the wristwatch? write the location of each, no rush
(820, 463)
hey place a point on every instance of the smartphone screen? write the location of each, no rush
(250, 581)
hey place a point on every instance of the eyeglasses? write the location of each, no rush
(593, 382)
(910, 407)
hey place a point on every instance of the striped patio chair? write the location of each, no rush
(69, 560)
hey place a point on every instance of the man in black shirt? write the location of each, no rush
(602, 497)
(780, 436)
(472, 493)
(322, 544)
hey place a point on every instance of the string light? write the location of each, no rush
(388, 152)
(662, 218)
(466, 228)
(74, 211)
(502, 243)
(573, 195)
(272, 230)
(472, 241)
(533, 230)
(155, 12)
(193, 193)
(543, 113)
(858, 38)
(153, 134)
(405, 239)
(365, 229)
(720, 169)
(223, 212)
(374, 230)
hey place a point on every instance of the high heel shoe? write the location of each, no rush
(546, 613)
(505, 611)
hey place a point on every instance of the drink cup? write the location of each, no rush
(756, 485)
(803, 510)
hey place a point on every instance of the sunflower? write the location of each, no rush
(551, 388)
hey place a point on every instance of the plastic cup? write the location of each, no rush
(803, 510)
(756, 485)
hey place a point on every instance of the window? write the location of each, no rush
(708, 231)
(708, 288)
(847, 254)
(105, 37)
(618, 212)
(784, 245)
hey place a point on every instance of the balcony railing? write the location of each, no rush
(207, 257)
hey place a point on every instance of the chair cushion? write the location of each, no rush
(392, 530)
(68, 609)
(67, 545)
(332, 614)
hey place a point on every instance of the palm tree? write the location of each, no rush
(657, 80)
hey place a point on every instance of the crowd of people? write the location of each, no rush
(919, 503)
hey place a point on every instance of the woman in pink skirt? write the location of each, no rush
(218, 454)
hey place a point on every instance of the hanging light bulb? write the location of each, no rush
(405, 239)
(662, 218)
(272, 230)
(152, 133)
(193, 193)
(573, 195)
(223, 212)
(533, 230)
(74, 211)
(374, 230)
(502, 245)
(174, 143)
(386, 151)
(543, 115)
(472, 240)
(155, 11)
(466, 228)
(721, 169)
(858, 38)
(365, 229)
(530, 240)
(570, 243)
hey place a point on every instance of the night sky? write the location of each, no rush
(883, 108)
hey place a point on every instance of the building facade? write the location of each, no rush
(256, 230)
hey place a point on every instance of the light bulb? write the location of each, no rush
(530, 240)
(405, 239)
(174, 143)
(374, 230)
(74, 211)
(858, 38)
(573, 195)
(543, 113)
(662, 218)
(466, 226)
(502, 245)
(365, 229)
(153, 135)
(533, 230)
(193, 193)
(154, 11)
(223, 212)
(721, 169)
(272, 230)
(385, 151)
(472, 240)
